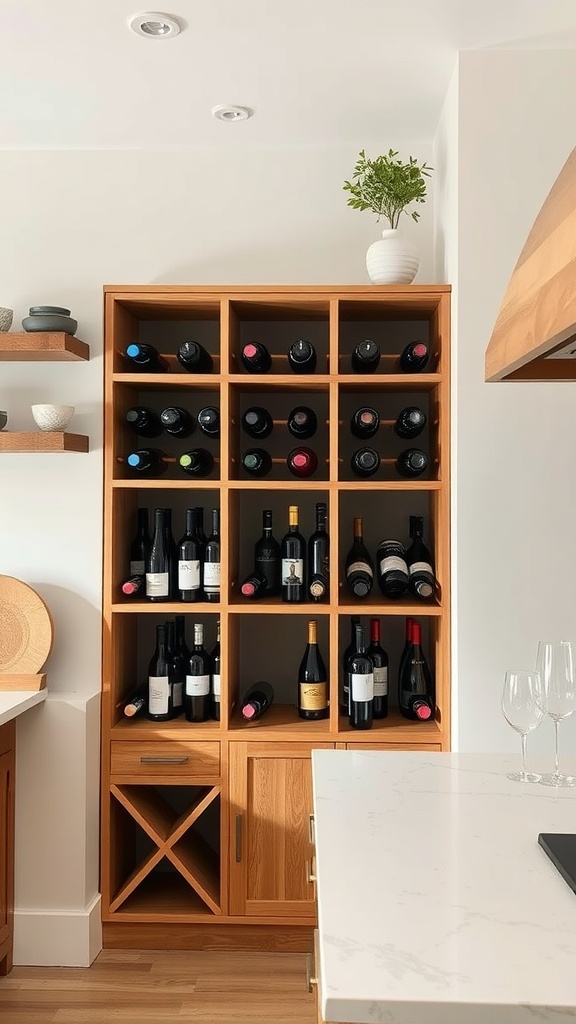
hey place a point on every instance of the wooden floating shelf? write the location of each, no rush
(42, 347)
(42, 441)
(23, 681)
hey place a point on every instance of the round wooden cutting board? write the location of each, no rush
(26, 630)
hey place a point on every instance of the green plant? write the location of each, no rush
(387, 186)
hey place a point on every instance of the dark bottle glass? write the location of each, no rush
(135, 586)
(365, 422)
(148, 461)
(379, 659)
(302, 422)
(420, 569)
(293, 560)
(365, 462)
(312, 680)
(257, 422)
(415, 686)
(215, 688)
(145, 359)
(267, 556)
(189, 561)
(194, 358)
(256, 358)
(176, 421)
(359, 567)
(302, 357)
(392, 568)
(256, 701)
(202, 538)
(181, 645)
(197, 695)
(140, 546)
(365, 357)
(255, 585)
(348, 652)
(158, 562)
(257, 461)
(144, 421)
(302, 462)
(196, 462)
(407, 645)
(172, 552)
(319, 556)
(414, 357)
(209, 421)
(412, 462)
(177, 668)
(211, 581)
(160, 696)
(411, 422)
(360, 671)
(136, 702)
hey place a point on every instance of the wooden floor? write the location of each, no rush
(162, 987)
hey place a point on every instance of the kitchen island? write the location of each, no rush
(435, 903)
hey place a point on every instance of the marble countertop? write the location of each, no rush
(436, 905)
(14, 702)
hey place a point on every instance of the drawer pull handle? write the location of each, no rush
(310, 981)
(312, 830)
(312, 870)
(163, 760)
(239, 837)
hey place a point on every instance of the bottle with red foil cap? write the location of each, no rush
(255, 585)
(256, 701)
(414, 357)
(365, 422)
(415, 686)
(255, 357)
(134, 587)
(302, 462)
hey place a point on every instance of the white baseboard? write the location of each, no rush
(58, 938)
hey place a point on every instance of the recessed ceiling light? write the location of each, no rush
(230, 112)
(154, 25)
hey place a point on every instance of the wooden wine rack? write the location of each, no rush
(207, 824)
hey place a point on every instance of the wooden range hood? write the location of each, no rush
(535, 333)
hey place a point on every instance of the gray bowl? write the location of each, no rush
(50, 322)
(34, 310)
(3, 419)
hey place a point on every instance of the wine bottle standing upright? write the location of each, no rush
(176, 421)
(365, 357)
(267, 556)
(181, 645)
(302, 422)
(144, 421)
(202, 538)
(145, 359)
(257, 422)
(256, 358)
(172, 553)
(359, 567)
(410, 422)
(319, 556)
(158, 562)
(176, 668)
(392, 569)
(257, 700)
(197, 696)
(379, 659)
(140, 546)
(407, 645)
(415, 686)
(215, 687)
(194, 358)
(414, 357)
(302, 357)
(312, 680)
(189, 561)
(160, 703)
(148, 461)
(348, 651)
(360, 671)
(419, 559)
(365, 422)
(211, 582)
(208, 420)
(293, 558)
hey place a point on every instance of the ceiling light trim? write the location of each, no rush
(231, 112)
(155, 25)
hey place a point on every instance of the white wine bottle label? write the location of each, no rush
(212, 574)
(197, 686)
(137, 568)
(178, 694)
(361, 686)
(313, 696)
(359, 567)
(158, 695)
(421, 567)
(380, 682)
(393, 564)
(189, 575)
(292, 571)
(157, 584)
(216, 686)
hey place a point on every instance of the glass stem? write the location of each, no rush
(523, 738)
(556, 728)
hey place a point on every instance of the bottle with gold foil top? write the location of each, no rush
(312, 680)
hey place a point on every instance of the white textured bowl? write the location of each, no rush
(52, 417)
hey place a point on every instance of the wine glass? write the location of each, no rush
(555, 663)
(522, 708)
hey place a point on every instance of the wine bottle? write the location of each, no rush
(365, 422)
(176, 421)
(420, 570)
(412, 462)
(196, 462)
(345, 702)
(414, 357)
(140, 546)
(160, 703)
(267, 556)
(189, 561)
(172, 553)
(257, 462)
(194, 358)
(144, 421)
(407, 645)
(360, 672)
(302, 357)
(257, 422)
(312, 680)
(359, 567)
(148, 461)
(379, 659)
(181, 645)
(135, 586)
(177, 668)
(293, 555)
(197, 695)
(302, 422)
(256, 701)
(365, 462)
(255, 585)
(158, 562)
(319, 556)
(202, 538)
(415, 687)
(136, 702)
(209, 421)
(215, 688)
(256, 358)
(302, 462)
(211, 582)
(145, 359)
(410, 422)
(365, 357)
(392, 568)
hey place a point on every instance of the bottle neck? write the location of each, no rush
(190, 522)
(320, 520)
(161, 641)
(198, 635)
(375, 631)
(312, 633)
(293, 519)
(142, 522)
(358, 532)
(159, 520)
(360, 640)
(215, 522)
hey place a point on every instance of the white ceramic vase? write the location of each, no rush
(393, 259)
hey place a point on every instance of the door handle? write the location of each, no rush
(163, 760)
(239, 837)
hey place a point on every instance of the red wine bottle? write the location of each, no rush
(194, 358)
(135, 586)
(360, 672)
(209, 421)
(293, 560)
(257, 461)
(176, 421)
(256, 358)
(215, 677)
(257, 422)
(136, 702)
(411, 422)
(211, 582)
(407, 645)
(345, 701)
(312, 680)
(365, 422)
(202, 538)
(302, 462)
(412, 462)
(189, 562)
(158, 562)
(302, 422)
(144, 421)
(256, 701)
(160, 689)
(196, 462)
(414, 357)
(267, 556)
(140, 546)
(197, 695)
(415, 687)
(392, 569)
(365, 357)
(255, 585)
(359, 567)
(177, 668)
(148, 461)
(379, 659)
(302, 357)
(319, 556)
(145, 359)
(365, 462)
(181, 645)
(420, 570)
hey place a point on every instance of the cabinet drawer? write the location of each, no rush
(159, 759)
(426, 747)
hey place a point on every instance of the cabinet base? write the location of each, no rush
(253, 938)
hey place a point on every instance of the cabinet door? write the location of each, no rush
(6, 847)
(271, 804)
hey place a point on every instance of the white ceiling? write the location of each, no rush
(315, 71)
